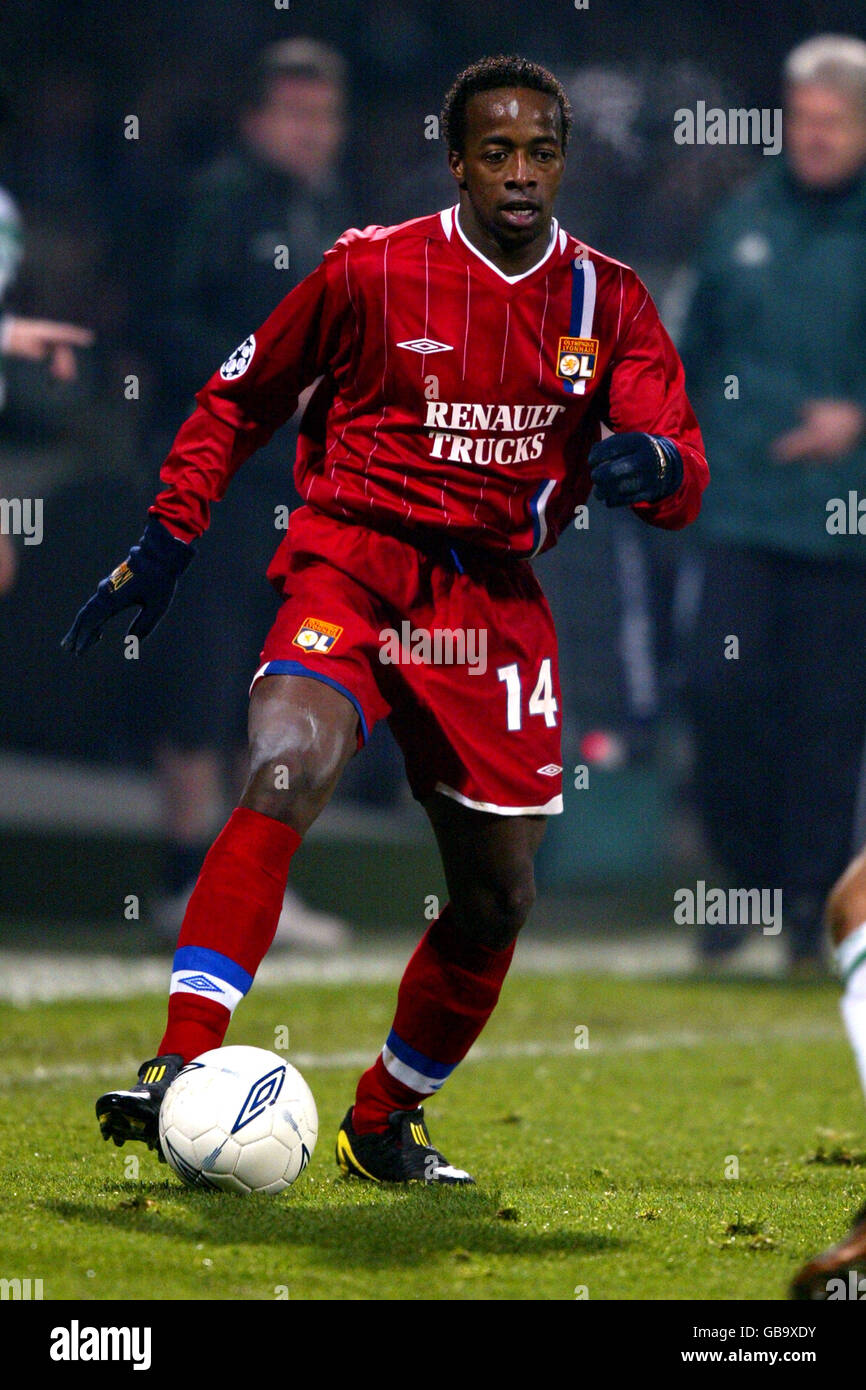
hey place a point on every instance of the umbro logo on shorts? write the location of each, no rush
(549, 770)
(426, 345)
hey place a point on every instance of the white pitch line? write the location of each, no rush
(675, 1039)
(39, 978)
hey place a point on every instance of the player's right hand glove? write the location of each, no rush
(146, 580)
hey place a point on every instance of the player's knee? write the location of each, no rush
(292, 777)
(493, 913)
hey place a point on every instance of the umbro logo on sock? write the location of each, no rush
(201, 983)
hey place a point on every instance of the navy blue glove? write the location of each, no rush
(629, 468)
(145, 580)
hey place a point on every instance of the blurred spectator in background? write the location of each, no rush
(256, 221)
(35, 340)
(257, 218)
(631, 189)
(776, 369)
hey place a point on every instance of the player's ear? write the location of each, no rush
(456, 165)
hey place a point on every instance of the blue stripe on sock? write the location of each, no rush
(214, 963)
(437, 1071)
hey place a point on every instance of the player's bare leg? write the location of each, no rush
(448, 992)
(302, 734)
(489, 869)
(846, 921)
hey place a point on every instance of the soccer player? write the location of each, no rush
(467, 363)
(846, 920)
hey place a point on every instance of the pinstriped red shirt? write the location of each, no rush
(449, 395)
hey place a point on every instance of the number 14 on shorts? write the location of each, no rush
(542, 700)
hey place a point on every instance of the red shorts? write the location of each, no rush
(455, 648)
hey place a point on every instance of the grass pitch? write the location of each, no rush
(696, 1141)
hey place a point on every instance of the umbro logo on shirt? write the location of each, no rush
(426, 345)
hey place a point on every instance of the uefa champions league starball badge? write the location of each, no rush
(237, 362)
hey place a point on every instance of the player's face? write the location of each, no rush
(825, 135)
(511, 166)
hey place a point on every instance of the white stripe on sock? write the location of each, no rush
(209, 986)
(415, 1080)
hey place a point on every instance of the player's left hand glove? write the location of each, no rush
(633, 467)
(146, 580)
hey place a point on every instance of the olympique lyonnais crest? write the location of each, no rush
(237, 362)
(576, 358)
(316, 636)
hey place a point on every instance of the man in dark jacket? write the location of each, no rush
(775, 363)
(256, 222)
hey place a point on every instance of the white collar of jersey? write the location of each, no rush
(451, 219)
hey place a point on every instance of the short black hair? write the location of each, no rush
(503, 70)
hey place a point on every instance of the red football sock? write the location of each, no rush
(229, 924)
(448, 992)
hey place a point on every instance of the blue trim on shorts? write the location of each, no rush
(283, 667)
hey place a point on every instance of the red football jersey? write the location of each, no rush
(451, 395)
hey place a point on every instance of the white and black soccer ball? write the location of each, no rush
(239, 1119)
